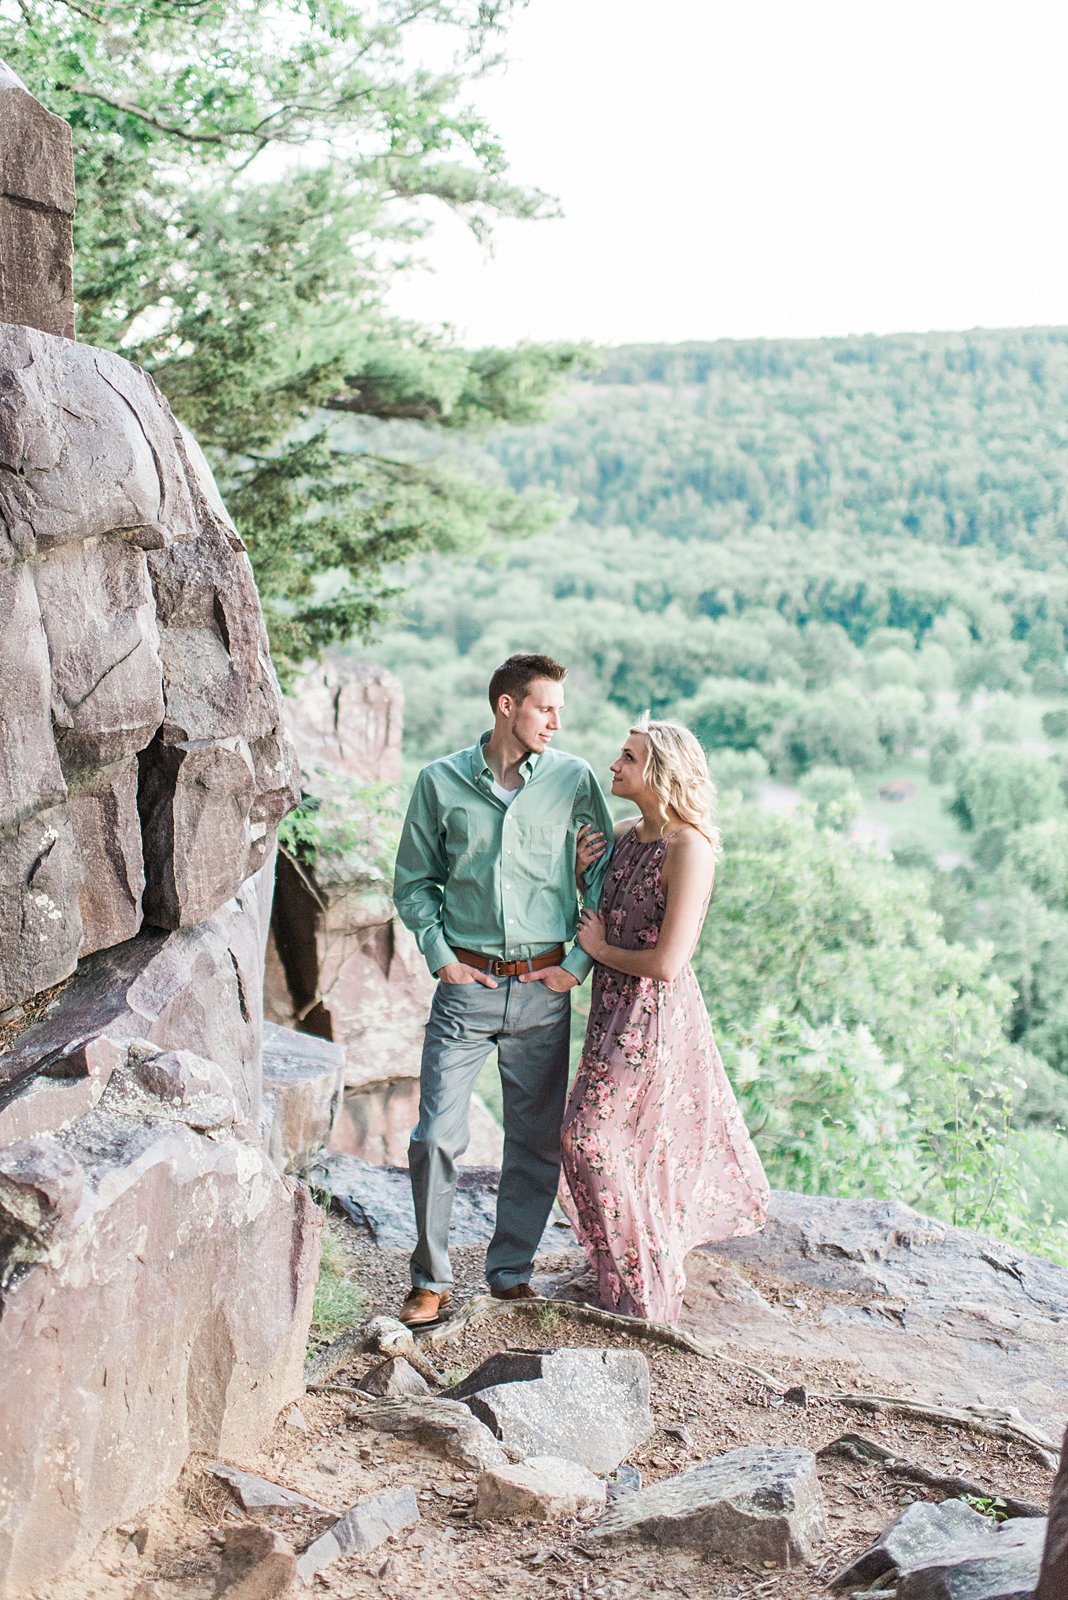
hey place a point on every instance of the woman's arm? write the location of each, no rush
(689, 868)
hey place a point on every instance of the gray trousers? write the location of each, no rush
(529, 1025)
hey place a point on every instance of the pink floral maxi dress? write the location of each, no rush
(656, 1155)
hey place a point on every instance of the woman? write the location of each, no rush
(656, 1155)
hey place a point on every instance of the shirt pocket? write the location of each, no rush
(544, 847)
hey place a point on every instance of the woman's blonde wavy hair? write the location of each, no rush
(677, 769)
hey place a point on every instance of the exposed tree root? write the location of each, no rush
(980, 1419)
(858, 1447)
(484, 1307)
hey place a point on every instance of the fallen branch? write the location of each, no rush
(987, 1420)
(858, 1447)
(484, 1307)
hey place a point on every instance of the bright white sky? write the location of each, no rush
(770, 167)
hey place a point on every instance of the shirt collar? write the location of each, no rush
(479, 769)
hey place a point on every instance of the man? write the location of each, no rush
(486, 882)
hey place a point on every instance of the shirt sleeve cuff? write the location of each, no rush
(437, 953)
(578, 963)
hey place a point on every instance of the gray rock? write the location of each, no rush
(36, 212)
(590, 1406)
(394, 1379)
(920, 1533)
(379, 1200)
(364, 1527)
(923, 1530)
(755, 1504)
(623, 1481)
(442, 1425)
(938, 1306)
(254, 1493)
(1001, 1564)
(303, 1078)
(40, 915)
(539, 1489)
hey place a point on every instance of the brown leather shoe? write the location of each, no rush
(518, 1291)
(423, 1306)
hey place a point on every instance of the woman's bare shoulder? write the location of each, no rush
(690, 844)
(625, 826)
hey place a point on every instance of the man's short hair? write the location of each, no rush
(515, 676)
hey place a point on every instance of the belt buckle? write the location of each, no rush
(499, 966)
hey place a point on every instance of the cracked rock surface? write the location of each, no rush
(145, 766)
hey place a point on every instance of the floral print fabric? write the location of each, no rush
(657, 1158)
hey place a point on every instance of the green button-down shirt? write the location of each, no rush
(475, 874)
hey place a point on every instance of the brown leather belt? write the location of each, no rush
(509, 969)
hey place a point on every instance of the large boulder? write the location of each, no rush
(917, 1306)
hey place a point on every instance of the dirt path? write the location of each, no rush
(317, 1450)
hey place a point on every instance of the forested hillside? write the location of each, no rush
(845, 564)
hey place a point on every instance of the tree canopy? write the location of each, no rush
(249, 178)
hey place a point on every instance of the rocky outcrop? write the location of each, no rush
(349, 714)
(916, 1305)
(152, 1259)
(156, 1270)
(145, 766)
(36, 212)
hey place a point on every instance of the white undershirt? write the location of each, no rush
(505, 796)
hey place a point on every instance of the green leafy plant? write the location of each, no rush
(987, 1506)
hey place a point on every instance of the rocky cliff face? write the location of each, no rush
(144, 764)
(156, 1270)
(340, 963)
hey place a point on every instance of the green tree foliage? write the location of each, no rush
(1000, 790)
(833, 794)
(248, 180)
